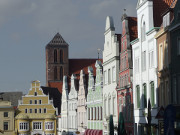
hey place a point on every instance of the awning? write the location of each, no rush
(93, 132)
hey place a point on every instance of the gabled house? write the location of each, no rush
(110, 73)
(125, 84)
(145, 63)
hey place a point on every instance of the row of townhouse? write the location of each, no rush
(139, 65)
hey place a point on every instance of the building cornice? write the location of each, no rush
(110, 60)
(152, 30)
(174, 27)
(161, 32)
(134, 41)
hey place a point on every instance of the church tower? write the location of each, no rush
(57, 61)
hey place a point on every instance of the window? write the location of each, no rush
(30, 101)
(138, 96)
(61, 73)
(143, 60)
(23, 126)
(55, 56)
(35, 101)
(109, 76)
(39, 110)
(44, 110)
(37, 125)
(166, 20)
(26, 110)
(88, 113)
(35, 93)
(152, 93)
(6, 126)
(30, 110)
(104, 107)
(35, 110)
(5, 114)
(49, 125)
(92, 113)
(151, 59)
(113, 74)
(161, 57)
(120, 105)
(178, 46)
(114, 108)
(109, 105)
(137, 65)
(143, 31)
(174, 90)
(145, 95)
(98, 113)
(61, 56)
(39, 101)
(125, 64)
(101, 114)
(55, 73)
(105, 77)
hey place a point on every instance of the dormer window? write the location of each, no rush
(166, 20)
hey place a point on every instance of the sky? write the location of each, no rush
(27, 26)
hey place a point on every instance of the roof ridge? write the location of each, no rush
(57, 40)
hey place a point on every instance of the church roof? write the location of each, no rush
(57, 40)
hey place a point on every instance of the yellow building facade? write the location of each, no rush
(36, 113)
(6, 118)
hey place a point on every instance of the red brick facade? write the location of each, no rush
(124, 90)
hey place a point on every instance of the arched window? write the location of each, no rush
(55, 73)
(61, 56)
(152, 94)
(55, 56)
(145, 95)
(143, 31)
(61, 73)
(138, 96)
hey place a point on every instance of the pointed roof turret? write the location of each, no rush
(57, 40)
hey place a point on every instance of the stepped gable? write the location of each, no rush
(132, 24)
(159, 6)
(55, 95)
(57, 40)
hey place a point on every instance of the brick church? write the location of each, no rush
(58, 63)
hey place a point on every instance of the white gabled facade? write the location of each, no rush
(72, 105)
(144, 67)
(81, 108)
(110, 72)
(64, 106)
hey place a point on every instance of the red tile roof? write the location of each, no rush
(75, 67)
(132, 24)
(159, 6)
(57, 85)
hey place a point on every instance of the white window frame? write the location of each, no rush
(38, 122)
(113, 74)
(144, 61)
(23, 124)
(49, 123)
(151, 58)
